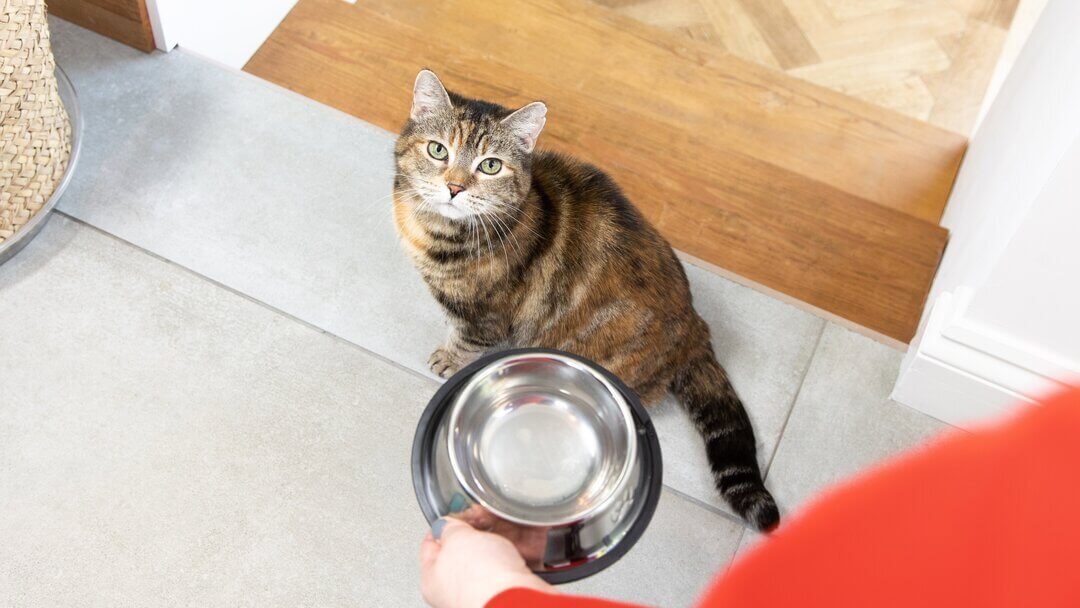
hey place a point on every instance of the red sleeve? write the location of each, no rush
(529, 598)
(984, 519)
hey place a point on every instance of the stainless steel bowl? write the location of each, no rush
(541, 439)
(29, 230)
(557, 552)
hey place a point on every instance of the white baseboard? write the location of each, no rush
(964, 375)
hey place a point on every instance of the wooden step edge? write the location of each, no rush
(886, 225)
(877, 336)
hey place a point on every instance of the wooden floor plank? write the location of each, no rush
(909, 96)
(736, 32)
(783, 35)
(124, 20)
(866, 262)
(891, 66)
(972, 67)
(996, 12)
(844, 33)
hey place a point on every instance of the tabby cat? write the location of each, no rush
(526, 248)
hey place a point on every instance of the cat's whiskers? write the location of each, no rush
(383, 172)
(420, 191)
(476, 227)
(503, 242)
(395, 192)
(487, 236)
(506, 208)
(376, 205)
(511, 239)
(495, 228)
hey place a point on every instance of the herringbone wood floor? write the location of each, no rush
(929, 59)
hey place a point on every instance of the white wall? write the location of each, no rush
(1026, 297)
(1024, 19)
(1000, 323)
(1032, 122)
(227, 31)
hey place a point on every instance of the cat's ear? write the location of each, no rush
(429, 96)
(527, 123)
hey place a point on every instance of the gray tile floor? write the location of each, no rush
(220, 353)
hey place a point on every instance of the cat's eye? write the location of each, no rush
(490, 166)
(437, 150)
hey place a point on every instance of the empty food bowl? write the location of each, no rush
(546, 448)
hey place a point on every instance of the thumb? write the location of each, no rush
(429, 552)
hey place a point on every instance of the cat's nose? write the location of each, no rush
(455, 189)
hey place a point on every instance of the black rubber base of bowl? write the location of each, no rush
(440, 403)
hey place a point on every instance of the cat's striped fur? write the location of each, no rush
(549, 253)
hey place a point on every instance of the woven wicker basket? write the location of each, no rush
(35, 133)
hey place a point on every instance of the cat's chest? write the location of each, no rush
(464, 284)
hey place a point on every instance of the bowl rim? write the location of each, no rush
(651, 460)
(629, 426)
(22, 237)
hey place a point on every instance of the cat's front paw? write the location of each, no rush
(444, 362)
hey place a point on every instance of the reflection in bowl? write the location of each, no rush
(541, 439)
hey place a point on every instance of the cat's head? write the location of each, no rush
(461, 157)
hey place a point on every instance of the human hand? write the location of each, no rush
(530, 541)
(465, 568)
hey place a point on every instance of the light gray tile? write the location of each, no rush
(684, 547)
(843, 420)
(175, 440)
(750, 539)
(166, 442)
(251, 185)
(766, 346)
(174, 443)
(287, 201)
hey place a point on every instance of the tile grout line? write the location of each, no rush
(697, 501)
(795, 399)
(247, 297)
(708, 507)
(783, 429)
(743, 528)
(735, 556)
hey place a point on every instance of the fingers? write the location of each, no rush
(449, 528)
(429, 555)
(478, 517)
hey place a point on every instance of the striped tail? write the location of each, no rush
(707, 394)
